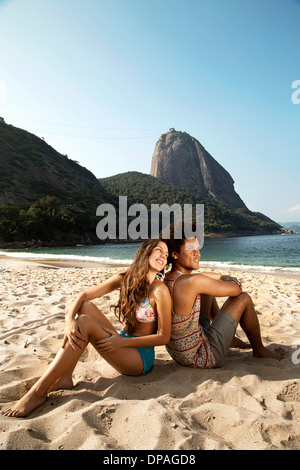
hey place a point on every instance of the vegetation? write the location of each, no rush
(44, 195)
(31, 169)
(219, 219)
(47, 220)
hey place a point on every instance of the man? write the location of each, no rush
(201, 333)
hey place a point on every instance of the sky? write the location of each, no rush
(101, 80)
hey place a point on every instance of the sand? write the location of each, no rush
(248, 403)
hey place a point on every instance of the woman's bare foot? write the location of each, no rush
(265, 352)
(64, 382)
(26, 404)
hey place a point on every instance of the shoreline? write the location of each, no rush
(40, 244)
(19, 262)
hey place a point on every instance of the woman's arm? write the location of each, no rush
(72, 331)
(111, 284)
(163, 307)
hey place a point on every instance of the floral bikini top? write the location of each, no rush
(145, 313)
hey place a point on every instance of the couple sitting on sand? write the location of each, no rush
(179, 311)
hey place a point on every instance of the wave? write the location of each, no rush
(248, 267)
(107, 260)
(59, 257)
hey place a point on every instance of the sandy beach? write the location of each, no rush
(248, 403)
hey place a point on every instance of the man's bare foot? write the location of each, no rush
(238, 343)
(26, 404)
(265, 352)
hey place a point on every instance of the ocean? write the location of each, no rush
(266, 253)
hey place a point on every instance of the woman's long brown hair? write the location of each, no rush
(134, 286)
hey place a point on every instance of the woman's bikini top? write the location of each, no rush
(145, 313)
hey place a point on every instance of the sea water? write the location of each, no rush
(258, 253)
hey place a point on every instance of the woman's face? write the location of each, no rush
(158, 257)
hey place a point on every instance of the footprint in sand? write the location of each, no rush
(290, 392)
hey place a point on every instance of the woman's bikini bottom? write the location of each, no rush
(147, 354)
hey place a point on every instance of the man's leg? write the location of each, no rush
(209, 306)
(241, 308)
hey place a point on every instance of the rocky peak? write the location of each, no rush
(180, 159)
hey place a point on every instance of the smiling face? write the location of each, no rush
(188, 257)
(158, 257)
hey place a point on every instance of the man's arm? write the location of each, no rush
(202, 284)
(222, 277)
(216, 276)
(187, 288)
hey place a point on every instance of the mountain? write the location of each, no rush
(44, 195)
(48, 199)
(31, 169)
(180, 159)
(145, 189)
(294, 226)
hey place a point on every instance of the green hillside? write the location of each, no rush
(31, 169)
(44, 195)
(145, 189)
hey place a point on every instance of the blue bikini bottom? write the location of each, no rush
(147, 354)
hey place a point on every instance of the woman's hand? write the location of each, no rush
(111, 343)
(73, 334)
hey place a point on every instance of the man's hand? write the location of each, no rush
(227, 278)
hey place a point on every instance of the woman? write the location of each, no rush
(145, 309)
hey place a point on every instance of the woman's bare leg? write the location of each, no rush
(87, 308)
(36, 396)
(125, 360)
(242, 309)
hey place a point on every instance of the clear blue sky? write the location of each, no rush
(101, 80)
